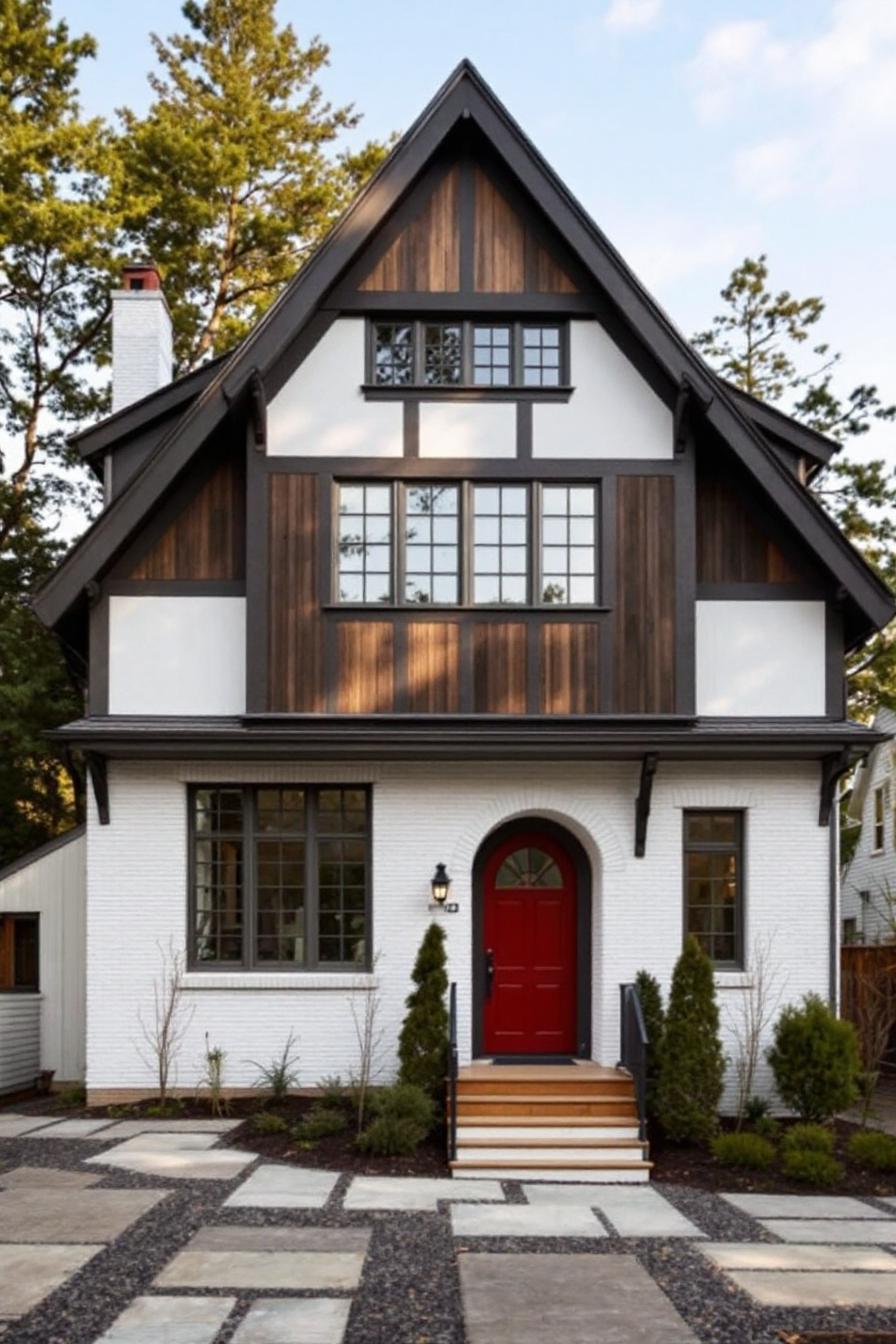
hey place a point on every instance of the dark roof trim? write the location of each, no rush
(799, 437)
(464, 95)
(480, 737)
(42, 851)
(108, 432)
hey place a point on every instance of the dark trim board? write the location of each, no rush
(477, 468)
(464, 301)
(411, 392)
(760, 592)
(584, 900)
(174, 588)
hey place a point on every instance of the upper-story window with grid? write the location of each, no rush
(394, 353)
(442, 354)
(365, 543)
(467, 354)
(568, 552)
(492, 356)
(541, 356)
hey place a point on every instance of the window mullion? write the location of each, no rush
(399, 533)
(312, 869)
(536, 583)
(517, 355)
(249, 876)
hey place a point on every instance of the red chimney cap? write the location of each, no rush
(141, 275)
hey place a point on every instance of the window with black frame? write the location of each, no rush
(468, 354)
(365, 543)
(431, 544)
(19, 953)
(279, 877)
(713, 883)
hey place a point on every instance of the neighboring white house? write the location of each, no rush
(868, 898)
(42, 964)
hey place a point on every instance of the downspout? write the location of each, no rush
(834, 905)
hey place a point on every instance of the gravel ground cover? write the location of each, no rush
(409, 1290)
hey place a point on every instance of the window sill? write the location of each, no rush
(509, 609)
(733, 979)
(425, 392)
(293, 980)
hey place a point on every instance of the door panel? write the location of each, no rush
(529, 927)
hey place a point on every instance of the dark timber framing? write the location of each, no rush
(642, 803)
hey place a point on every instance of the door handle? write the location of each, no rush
(489, 971)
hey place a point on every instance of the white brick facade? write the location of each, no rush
(137, 886)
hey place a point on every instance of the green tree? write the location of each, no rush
(766, 343)
(692, 1065)
(231, 179)
(815, 1060)
(651, 997)
(423, 1042)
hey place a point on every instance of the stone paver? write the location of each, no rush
(633, 1212)
(311, 1320)
(235, 1237)
(190, 1157)
(46, 1178)
(53, 1215)
(127, 1129)
(802, 1206)
(764, 1255)
(264, 1270)
(14, 1126)
(29, 1273)
(176, 1320)
(72, 1129)
(415, 1192)
(813, 1289)
(863, 1231)
(278, 1187)
(579, 1299)
(516, 1220)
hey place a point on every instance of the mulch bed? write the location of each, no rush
(697, 1167)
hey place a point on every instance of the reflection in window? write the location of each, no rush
(431, 544)
(500, 544)
(529, 868)
(567, 544)
(280, 875)
(218, 875)
(491, 356)
(393, 353)
(365, 543)
(541, 356)
(712, 869)
(442, 363)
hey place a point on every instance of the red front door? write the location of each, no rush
(529, 926)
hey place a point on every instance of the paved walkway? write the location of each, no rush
(141, 1231)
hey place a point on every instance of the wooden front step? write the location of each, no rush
(547, 1144)
(497, 1105)
(564, 1087)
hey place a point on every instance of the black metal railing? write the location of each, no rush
(633, 1043)
(452, 1072)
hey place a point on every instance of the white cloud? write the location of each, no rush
(727, 56)
(628, 14)
(768, 170)
(672, 248)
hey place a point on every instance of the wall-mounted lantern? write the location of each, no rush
(440, 884)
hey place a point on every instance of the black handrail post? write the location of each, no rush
(633, 1043)
(452, 1072)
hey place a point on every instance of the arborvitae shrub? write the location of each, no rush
(654, 1021)
(692, 1065)
(423, 1043)
(743, 1150)
(320, 1122)
(403, 1115)
(815, 1060)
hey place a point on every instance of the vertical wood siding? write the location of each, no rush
(645, 607)
(433, 667)
(207, 540)
(366, 660)
(425, 257)
(569, 669)
(295, 642)
(732, 545)
(507, 256)
(499, 668)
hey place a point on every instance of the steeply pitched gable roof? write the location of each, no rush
(465, 95)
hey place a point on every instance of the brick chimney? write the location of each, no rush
(141, 335)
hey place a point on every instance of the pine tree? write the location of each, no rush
(231, 182)
(692, 1065)
(423, 1043)
(651, 997)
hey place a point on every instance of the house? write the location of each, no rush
(462, 558)
(869, 881)
(42, 964)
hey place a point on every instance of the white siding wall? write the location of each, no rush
(760, 658)
(54, 886)
(467, 429)
(871, 870)
(321, 411)
(613, 412)
(137, 884)
(177, 655)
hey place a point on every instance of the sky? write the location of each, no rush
(695, 132)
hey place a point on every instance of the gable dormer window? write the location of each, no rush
(428, 355)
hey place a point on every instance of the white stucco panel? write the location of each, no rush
(320, 411)
(763, 658)
(467, 429)
(177, 655)
(613, 412)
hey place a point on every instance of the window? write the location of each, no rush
(850, 930)
(280, 877)
(568, 557)
(431, 552)
(713, 882)
(365, 543)
(467, 354)
(500, 544)
(19, 953)
(879, 808)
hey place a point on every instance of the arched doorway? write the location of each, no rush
(531, 944)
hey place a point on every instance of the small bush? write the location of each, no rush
(268, 1122)
(815, 1060)
(403, 1115)
(692, 1064)
(333, 1091)
(651, 997)
(870, 1148)
(743, 1150)
(755, 1110)
(281, 1074)
(809, 1139)
(118, 1112)
(320, 1122)
(767, 1127)
(165, 1110)
(811, 1167)
(70, 1098)
(423, 1041)
(388, 1137)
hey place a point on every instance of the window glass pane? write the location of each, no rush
(500, 554)
(491, 356)
(25, 958)
(441, 354)
(218, 875)
(569, 570)
(365, 536)
(393, 361)
(712, 864)
(541, 356)
(342, 876)
(279, 899)
(431, 532)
